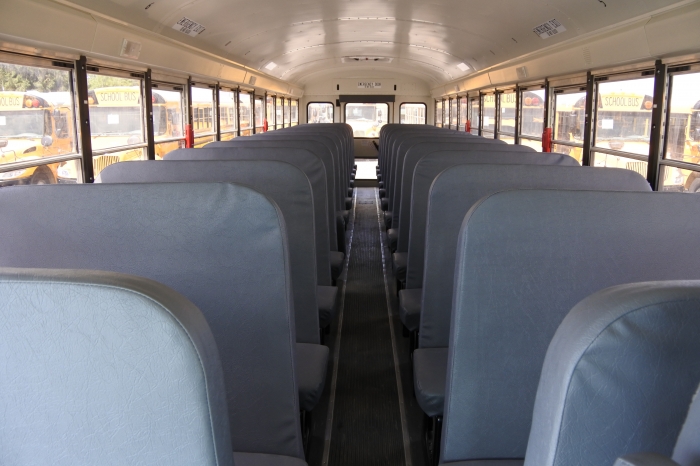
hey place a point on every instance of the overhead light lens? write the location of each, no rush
(271, 66)
(463, 66)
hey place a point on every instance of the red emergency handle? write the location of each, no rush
(189, 137)
(265, 125)
(547, 140)
(468, 126)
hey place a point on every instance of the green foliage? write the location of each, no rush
(96, 81)
(29, 78)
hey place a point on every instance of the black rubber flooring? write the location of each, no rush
(365, 406)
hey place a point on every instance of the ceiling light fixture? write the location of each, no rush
(463, 66)
(271, 66)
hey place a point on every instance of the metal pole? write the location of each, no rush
(656, 142)
(148, 98)
(587, 158)
(84, 118)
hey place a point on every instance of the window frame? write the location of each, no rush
(425, 114)
(320, 102)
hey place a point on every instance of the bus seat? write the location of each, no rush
(106, 367)
(412, 226)
(455, 190)
(306, 161)
(337, 258)
(289, 188)
(524, 259)
(409, 308)
(219, 244)
(618, 376)
(327, 305)
(402, 209)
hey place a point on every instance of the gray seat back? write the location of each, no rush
(455, 191)
(221, 245)
(404, 145)
(404, 187)
(524, 259)
(99, 367)
(330, 140)
(618, 376)
(285, 184)
(311, 165)
(412, 225)
(322, 147)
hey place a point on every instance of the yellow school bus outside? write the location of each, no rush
(33, 127)
(117, 120)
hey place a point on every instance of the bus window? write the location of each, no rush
(445, 113)
(506, 123)
(116, 120)
(227, 115)
(489, 114)
(683, 134)
(295, 112)
(438, 113)
(569, 121)
(270, 112)
(259, 114)
(287, 113)
(36, 108)
(614, 161)
(319, 112)
(474, 104)
(623, 116)
(366, 119)
(453, 113)
(278, 113)
(168, 121)
(532, 118)
(463, 113)
(412, 114)
(245, 107)
(203, 115)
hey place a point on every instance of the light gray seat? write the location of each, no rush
(453, 193)
(219, 244)
(618, 376)
(289, 188)
(525, 258)
(687, 449)
(101, 367)
(416, 188)
(322, 147)
(316, 172)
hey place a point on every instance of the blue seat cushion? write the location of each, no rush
(429, 374)
(409, 307)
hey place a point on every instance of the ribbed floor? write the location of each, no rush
(366, 418)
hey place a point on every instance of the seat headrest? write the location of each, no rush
(619, 375)
(101, 365)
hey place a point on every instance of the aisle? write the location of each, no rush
(363, 420)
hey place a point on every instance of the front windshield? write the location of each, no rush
(22, 123)
(362, 112)
(115, 120)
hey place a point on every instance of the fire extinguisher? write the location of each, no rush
(189, 137)
(468, 126)
(265, 125)
(547, 140)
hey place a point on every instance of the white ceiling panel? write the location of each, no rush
(427, 39)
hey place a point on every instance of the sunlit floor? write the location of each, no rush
(366, 169)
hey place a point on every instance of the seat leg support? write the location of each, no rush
(432, 437)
